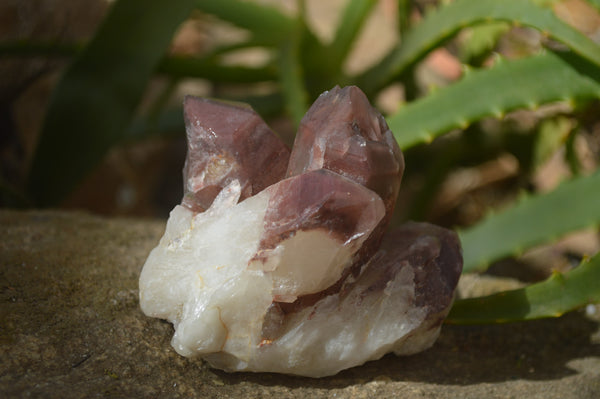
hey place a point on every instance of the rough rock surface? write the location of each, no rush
(70, 326)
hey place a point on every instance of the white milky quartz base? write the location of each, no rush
(198, 279)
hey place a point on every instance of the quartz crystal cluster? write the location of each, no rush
(277, 261)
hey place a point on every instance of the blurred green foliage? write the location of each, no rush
(94, 108)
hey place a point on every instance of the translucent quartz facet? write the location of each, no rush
(343, 133)
(258, 272)
(228, 142)
(321, 211)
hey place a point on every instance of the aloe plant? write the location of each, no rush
(551, 298)
(508, 85)
(93, 107)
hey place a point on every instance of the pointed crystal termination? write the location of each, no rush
(320, 210)
(293, 275)
(343, 133)
(228, 142)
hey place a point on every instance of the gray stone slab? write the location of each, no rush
(70, 327)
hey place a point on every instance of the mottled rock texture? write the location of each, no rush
(71, 327)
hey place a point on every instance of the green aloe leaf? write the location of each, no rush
(546, 3)
(443, 23)
(572, 206)
(554, 297)
(552, 134)
(595, 3)
(96, 98)
(209, 69)
(206, 67)
(506, 86)
(292, 76)
(267, 24)
(481, 39)
(26, 48)
(349, 26)
(404, 11)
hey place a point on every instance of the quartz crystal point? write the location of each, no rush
(343, 133)
(318, 211)
(228, 141)
(288, 272)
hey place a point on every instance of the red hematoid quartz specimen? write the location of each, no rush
(226, 142)
(340, 291)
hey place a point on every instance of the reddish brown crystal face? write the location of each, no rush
(343, 133)
(226, 142)
(297, 278)
(343, 178)
(320, 200)
(435, 255)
